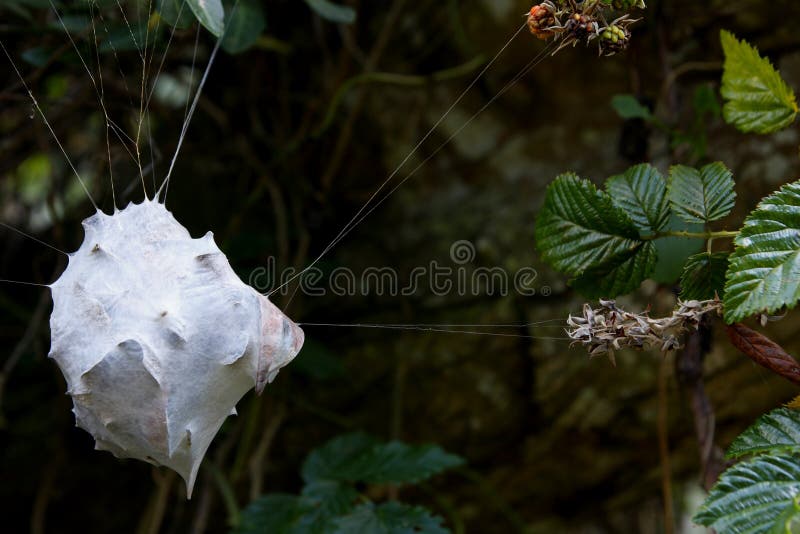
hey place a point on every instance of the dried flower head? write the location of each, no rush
(609, 328)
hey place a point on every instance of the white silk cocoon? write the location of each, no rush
(158, 339)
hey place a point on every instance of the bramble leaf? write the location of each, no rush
(327, 501)
(210, 14)
(579, 227)
(390, 518)
(757, 98)
(358, 457)
(336, 459)
(642, 193)
(764, 270)
(703, 195)
(775, 432)
(756, 496)
(622, 275)
(333, 12)
(704, 276)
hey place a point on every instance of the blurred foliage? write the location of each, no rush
(330, 502)
(291, 137)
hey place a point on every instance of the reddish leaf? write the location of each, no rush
(764, 351)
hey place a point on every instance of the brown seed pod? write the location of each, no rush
(542, 20)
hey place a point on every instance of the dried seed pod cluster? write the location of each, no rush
(541, 19)
(570, 22)
(158, 339)
(609, 328)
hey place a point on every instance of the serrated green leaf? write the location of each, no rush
(399, 463)
(775, 432)
(390, 518)
(704, 276)
(622, 275)
(358, 457)
(334, 460)
(789, 520)
(764, 270)
(333, 12)
(579, 227)
(642, 193)
(701, 196)
(245, 24)
(210, 13)
(758, 100)
(751, 496)
(629, 107)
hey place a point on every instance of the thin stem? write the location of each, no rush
(693, 235)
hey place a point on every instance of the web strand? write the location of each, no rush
(402, 163)
(4, 281)
(99, 90)
(433, 330)
(196, 99)
(538, 59)
(20, 232)
(47, 123)
(360, 216)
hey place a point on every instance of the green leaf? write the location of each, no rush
(210, 14)
(390, 518)
(329, 499)
(753, 497)
(629, 107)
(775, 432)
(704, 276)
(701, 195)
(276, 514)
(245, 24)
(579, 228)
(358, 457)
(622, 275)
(335, 459)
(326, 501)
(176, 13)
(333, 12)
(758, 100)
(789, 520)
(764, 271)
(313, 512)
(642, 193)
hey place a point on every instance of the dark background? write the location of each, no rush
(554, 442)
